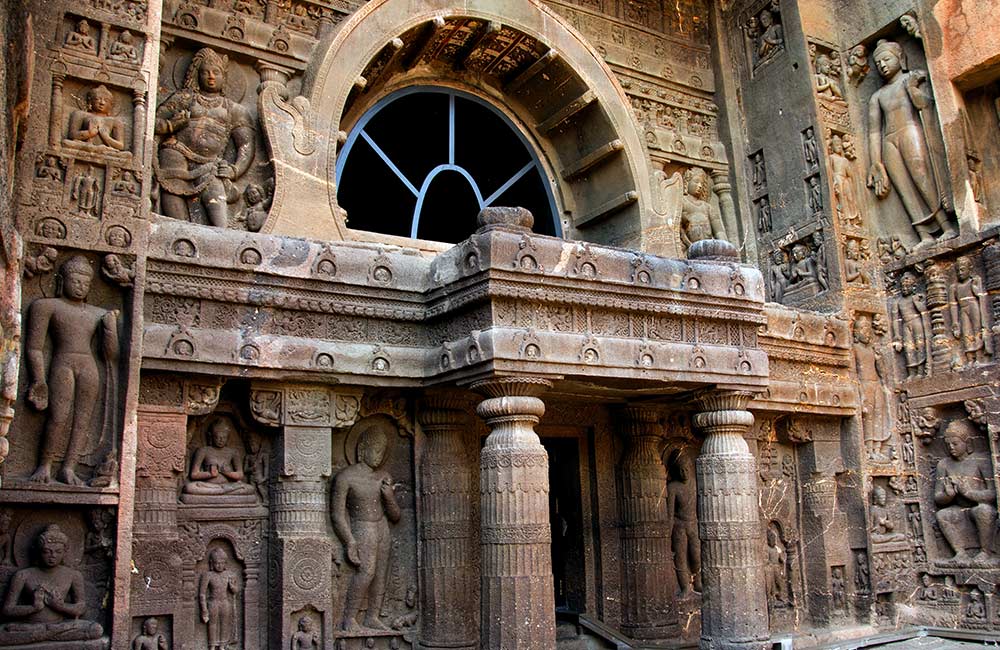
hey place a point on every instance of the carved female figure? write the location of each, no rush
(898, 122)
(907, 314)
(218, 589)
(843, 183)
(196, 125)
(869, 366)
(772, 38)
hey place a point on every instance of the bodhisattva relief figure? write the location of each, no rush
(869, 365)
(197, 124)
(899, 118)
(682, 510)
(217, 469)
(777, 569)
(883, 528)
(771, 38)
(80, 38)
(827, 84)
(150, 637)
(96, 125)
(965, 495)
(86, 191)
(218, 594)
(699, 220)
(803, 267)
(764, 214)
(44, 602)
(853, 270)
(759, 173)
(779, 274)
(968, 311)
(363, 505)
(928, 591)
(810, 149)
(907, 314)
(842, 175)
(306, 638)
(69, 386)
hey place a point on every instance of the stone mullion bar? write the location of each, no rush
(448, 567)
(648, 574)
(734, 611)
(518, 602)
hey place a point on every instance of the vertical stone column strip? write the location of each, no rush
(734, 607)
(648, 578)
(724, 190)
(448, 554)
(56, 108)
(518, 602)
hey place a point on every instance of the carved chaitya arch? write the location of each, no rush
(613, 216)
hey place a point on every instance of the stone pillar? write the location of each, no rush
(56, 105)
(734, 606)
(448, 553)
(518, 602)
(648, 578)
(724, 190)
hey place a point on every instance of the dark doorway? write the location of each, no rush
(566, 518)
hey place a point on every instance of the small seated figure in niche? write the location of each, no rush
(883, 528)
(779, 273)
(123, 48)
(306, 638)
(70, 389)
(682, 509)
(810, 149)
(827, 85)
(777, 569)
(96, 125)
(772, 38)
(126, 184)
(698, 218)
(217, 469)
(815, 195)
(928, 590)
(968, 310)
(907, 314)
(80, 38)
(803, 267)
(150, 637)
(45, 601)
(853, 271)
(50, 170)
(363, 505)
(965, 495)
(218, 591)
(256, 211)
(976, 609)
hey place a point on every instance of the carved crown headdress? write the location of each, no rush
(205, 55)
(893, 47)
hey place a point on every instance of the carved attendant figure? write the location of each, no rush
(810, 149)
(827, 85)
(843, 183)
(80, 38)
(306, 638)
(217, 469)
(218, 590)
(898, 121)
(45, 602)
(197, 124)
(883, 528)
(968, 307)
(777, 570)
(907, 314)
(699, 220)
(771, 39)
(853, 271)
(72, 389)
(779, 274)
(86, 192)
(363, 506)
(96, 125)
(965, 493)
(682, 510)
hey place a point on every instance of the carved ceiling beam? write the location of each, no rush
(396, 46)
(591, 160)
(608, 208)
(423, 43)
(473, 42)
(531, 72)
(567, 112)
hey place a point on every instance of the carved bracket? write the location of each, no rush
(304, 405)
(201, 398)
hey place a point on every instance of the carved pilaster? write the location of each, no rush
(159, 463)
(648, 578)
(448, 564)
(724, 190)
(734, 611)
(518, 603)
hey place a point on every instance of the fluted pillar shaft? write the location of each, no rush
(518, 603)
(734, 606)
(448, 567)
(648, 578)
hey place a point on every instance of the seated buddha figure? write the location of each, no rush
(217, 470)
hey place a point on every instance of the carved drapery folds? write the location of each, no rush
(649, 608)
(518, 611)
(733, 614)
(449, 615)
